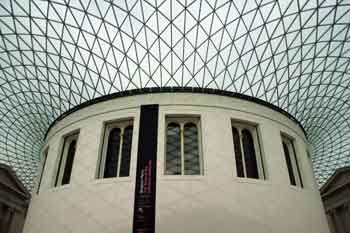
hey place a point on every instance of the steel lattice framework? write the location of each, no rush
(55, 55)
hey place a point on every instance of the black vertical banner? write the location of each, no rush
(145, 188)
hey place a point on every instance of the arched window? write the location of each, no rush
(116, 154)
(182, 147)
(65, 164)
(249, 162)
(173, 149)
(111, 162)
(291, 161)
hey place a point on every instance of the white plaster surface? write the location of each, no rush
(216, 201)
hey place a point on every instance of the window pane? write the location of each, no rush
(238, 152)
(249, 154)
(42, 170)
(126, 152)
(297, 165)
(289, 163)
(173, 150)
(191, 150)
(69, 162)
(111, 164)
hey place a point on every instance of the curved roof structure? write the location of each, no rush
(57, 54)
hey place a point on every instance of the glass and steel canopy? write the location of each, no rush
(55, 55)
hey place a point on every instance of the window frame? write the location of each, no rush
(309, 158)
(294, 158)
(66, 140)
(122, 124)
(45, 154)
(254, 130)
(182, 120)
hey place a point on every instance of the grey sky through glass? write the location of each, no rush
(55, 55)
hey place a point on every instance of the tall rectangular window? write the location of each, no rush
(116, 152)
(183, 150)
(65, 164)
(291, 161)
(43, 163)
(249, 161)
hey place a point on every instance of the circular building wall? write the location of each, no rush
(176, 162)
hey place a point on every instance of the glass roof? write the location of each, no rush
(55, 55)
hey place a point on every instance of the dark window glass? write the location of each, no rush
(191, 150)
(289, 164)
(297, 164)
(238, 152)
(69, 162)
(111, 163)
(6, 218)
(173, 150)
(249, 154)
(126, 152)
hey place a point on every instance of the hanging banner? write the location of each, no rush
(145, 188)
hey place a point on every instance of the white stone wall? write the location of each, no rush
(217, 201)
